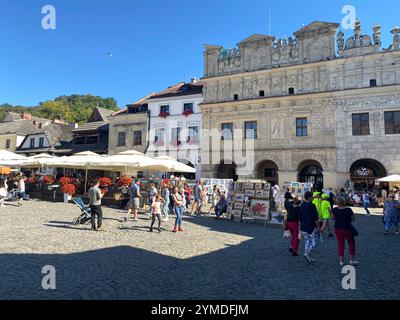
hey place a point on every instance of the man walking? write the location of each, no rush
(134, 202)
(95, 197)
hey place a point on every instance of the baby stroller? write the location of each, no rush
(85, 212)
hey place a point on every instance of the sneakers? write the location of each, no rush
(341, 264)
(175, 230)
(290, 250)
(354, 263)
(180, 230)
(136, 219)
(101, 230)
(165, 219)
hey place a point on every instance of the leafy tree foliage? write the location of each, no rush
(74, 108)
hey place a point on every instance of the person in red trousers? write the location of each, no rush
(344, 217)
(292, 221)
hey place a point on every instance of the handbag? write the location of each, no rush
(286, 234)
(354, 231)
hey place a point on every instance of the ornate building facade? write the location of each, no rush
(320, 109)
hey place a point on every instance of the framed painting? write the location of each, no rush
(239, 186)
(238, 205)
(239, 197)
(259, 208)
(276, 218)
(258, 186)
(249, 185)
(259, 194)
(250, 193)
(267, 187)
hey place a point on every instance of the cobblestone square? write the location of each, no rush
(209, 260)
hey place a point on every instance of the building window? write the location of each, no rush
(372, 83)
(250, 130)
(360, 124)
(41, 142)
(193, 137)
(262, 93)
(32, 143)
(8, 144)
(291, 90)
(121, 139)
(164, 109)
(159, 136)
(235, 97)
(80, 140)
(175, 136)
(227, 131)
(92, 140)
(188, 107)
(392, 122)
(301, 127)
(138, 109)
(137, 138)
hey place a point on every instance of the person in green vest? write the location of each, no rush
(325, 215)
(317, 201)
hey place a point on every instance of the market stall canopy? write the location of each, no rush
(5, 170)
(78, 160)
(126, 160)
(392, 178)
(37, 161)
(171, 165)
(9, 158)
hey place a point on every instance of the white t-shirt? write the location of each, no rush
(21, 186)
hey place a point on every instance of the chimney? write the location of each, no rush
(73, 125)
(27, 116)
(193, 80)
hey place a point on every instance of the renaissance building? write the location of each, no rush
(320, 108)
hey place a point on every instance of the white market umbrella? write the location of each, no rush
(9, 158)
(37, 161)
(173, 165)
(392, 178)
(81, 160)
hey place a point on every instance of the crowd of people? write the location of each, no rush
(311, 219)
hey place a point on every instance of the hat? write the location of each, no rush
(316, 194)
(325, 196)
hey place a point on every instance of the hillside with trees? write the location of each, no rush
(74, 108)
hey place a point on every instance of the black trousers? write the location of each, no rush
(96, 211)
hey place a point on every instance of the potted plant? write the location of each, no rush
(69, 190)
(164, 115)
(124, 182)
(187, 113)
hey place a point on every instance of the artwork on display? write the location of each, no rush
(295, 185)
(250, 193)
(232, 186)
(260, 208)
(238, 205)
(258, 186)
(267, 187)
(231, 197)
(249, 185)
(239, 197)
(229, 209)
(276, 218)
(259, 194)
(239, 186)
(246, 211)
(237, 213)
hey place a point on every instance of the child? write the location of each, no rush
(156, 211)
(324, 216)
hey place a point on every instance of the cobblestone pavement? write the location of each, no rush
(209, 260)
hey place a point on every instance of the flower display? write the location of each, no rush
(187, 113)
(164, 114)
(175, 143)
(64, 181)
(124, 182)
(32, 180)
(105, 182)
(48, 179)
(69, 189)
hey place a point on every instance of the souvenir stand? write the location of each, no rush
(297, 188)
(249, 200)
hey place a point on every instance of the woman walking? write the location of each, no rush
(391, 213)
(309, 226)
(344, 217)
(179, 208)
(156, 211)
(292, 220)
(166, 196)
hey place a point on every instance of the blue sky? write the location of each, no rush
(154, 43)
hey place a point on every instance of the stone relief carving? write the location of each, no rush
(276, 128)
